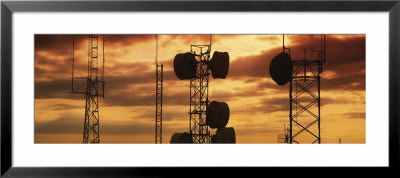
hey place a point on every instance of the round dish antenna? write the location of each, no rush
(181, 138)
(281, 68)
(224, 135)
(219, 64)
(185, 66)
(217, 114)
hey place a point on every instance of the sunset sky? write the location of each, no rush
(259, 108)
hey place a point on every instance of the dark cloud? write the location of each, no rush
(55, 43)
(74, 125)
(131, 68)
(269, 38)
(145, 98)
(191, 39)
(64, 106)
(168, 115)
(122, 81)
(137, 73)
(251, 66)
(346, 60)
(63, 43)
(129, 99)
(183, 40)
(127, 40)
(127, 128)
(231, 95)
(60, 44)
(53, 89)
(119, 90)
(169, 75)
(132, 84)
(268, 85)
(351, 115)
(276, 104)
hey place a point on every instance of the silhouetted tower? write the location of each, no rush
(199, 95)
(195, 66)
(94, 89)
(159, 96)
(304, 94)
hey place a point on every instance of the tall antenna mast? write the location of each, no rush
(73, 60)
(104, 54)
(196, 66)
(156, 59)
(283, 45)
(91, 127)
(304, 92)
(159, 96)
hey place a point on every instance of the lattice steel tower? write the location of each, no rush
(304, 94)
(159, 96)
(199, 95)
(305, 99)
(94, 90)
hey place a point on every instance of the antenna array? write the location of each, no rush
(196, 66)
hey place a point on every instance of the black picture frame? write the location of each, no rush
(8, 7)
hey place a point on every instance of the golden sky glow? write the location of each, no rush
(259, 107)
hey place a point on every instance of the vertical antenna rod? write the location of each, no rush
(73, 59)
(156, 59)
(324, 47)
(103, 64)
(210, 41)
(283, 43)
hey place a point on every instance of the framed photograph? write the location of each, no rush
(113, 88)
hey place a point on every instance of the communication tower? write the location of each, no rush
(195, 66)
(159, 96)
(304, 93)
(94, 89)
(199, 95)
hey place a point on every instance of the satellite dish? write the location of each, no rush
(281, 68)
(217, 114)
(225, 135)
(185, 66)
(181, 138)
(219, 64)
